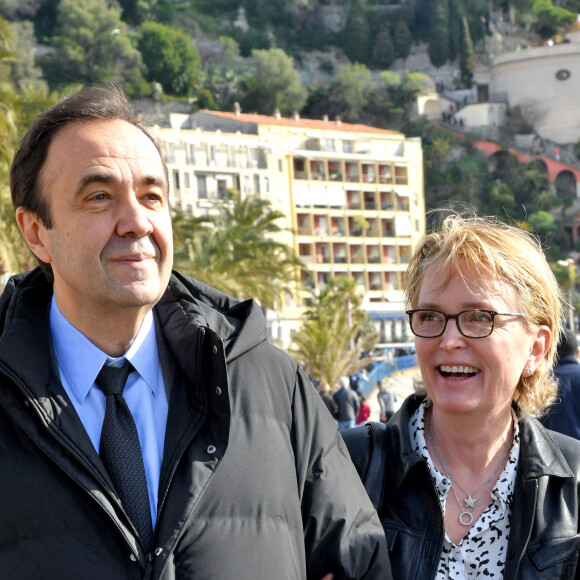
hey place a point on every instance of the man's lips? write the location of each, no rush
(132, 258)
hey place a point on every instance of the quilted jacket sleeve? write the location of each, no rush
(342, 530)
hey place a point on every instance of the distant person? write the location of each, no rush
(387, 398)
(564, 415)
(348, 404)
(364, 412)
(326, 396)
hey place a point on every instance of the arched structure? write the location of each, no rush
(559, 174)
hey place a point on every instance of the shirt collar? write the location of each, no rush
(505, 485)
(80, 361)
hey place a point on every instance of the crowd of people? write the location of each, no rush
(148, 430)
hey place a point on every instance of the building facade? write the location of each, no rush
(352, 196)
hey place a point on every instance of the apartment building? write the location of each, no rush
(352, 196)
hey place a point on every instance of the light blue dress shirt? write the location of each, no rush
(79, 363)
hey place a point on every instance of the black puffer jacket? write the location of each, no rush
(544, 542)
(253, 471)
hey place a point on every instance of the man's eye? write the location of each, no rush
(154, 197)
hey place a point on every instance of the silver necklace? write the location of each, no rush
(471, 500)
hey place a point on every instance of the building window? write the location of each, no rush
(192, 154)
(222, 189)
(256, 184)
(266, 182)
(201, 187)
(186, 180)
(299, 168)
(280, 165)
(176, 180)
(329, 144)
(347, 146)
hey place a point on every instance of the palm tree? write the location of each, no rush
(332, 338)
(237, 251)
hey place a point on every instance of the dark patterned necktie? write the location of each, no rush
(121, 453)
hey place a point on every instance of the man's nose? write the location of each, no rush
(132, 218)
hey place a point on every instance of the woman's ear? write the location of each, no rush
(540, 346)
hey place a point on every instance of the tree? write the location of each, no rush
(236, 251)
(349, 91)
(273, 83)
(356, 35)
(137, 11)
(403, 40)
(92, 45)
(501, 200)
(170, 58)
(565, 273)
(439, 33)
(18, 105)
(466, 57)
(384, 51)
(331, 340)
(455, 16)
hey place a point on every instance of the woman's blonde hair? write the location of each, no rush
(509, 254)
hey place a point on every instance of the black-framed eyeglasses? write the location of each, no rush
(427, 323)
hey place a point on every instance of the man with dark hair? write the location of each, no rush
(564, 414)
(348, 404)
(147, 429)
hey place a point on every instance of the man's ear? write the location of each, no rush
(32, 230)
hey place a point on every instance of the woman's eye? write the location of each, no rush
(480, 317)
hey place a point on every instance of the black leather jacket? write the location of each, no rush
(544, 540)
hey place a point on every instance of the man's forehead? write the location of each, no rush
(97, 147)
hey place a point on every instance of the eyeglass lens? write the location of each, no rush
(430, 323)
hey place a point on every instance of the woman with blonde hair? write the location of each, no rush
(470, 484)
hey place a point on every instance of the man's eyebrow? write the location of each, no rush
(106, 178)
(153, 180)
(93, 178)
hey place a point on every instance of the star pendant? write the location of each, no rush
(469, 502)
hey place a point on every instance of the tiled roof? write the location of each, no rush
(302, 123)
